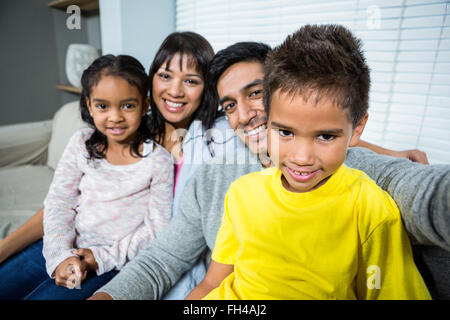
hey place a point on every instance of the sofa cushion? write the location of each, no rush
(66, 121)
(24, 143)
(12, 219)
(24, 186)
(22, 193)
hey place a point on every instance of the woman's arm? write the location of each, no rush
(217, 272)
(26, 234)
(413, 155)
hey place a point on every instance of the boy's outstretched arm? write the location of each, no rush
(217, 272)
(413, 155)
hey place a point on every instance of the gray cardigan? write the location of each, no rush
(421, 192)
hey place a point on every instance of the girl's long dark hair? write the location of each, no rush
(197, 48)
(134, 73)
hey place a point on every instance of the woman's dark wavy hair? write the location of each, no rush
(200, 53)
(133, 72)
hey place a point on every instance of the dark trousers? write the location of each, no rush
(23, 276)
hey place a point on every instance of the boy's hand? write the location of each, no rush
(68, 273)
(217, 272)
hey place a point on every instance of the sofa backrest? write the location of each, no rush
(66, 121)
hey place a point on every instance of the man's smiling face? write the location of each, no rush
(240, 92)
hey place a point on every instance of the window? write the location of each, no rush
(406, 42)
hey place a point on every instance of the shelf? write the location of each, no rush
(68, 88)
(90, 7)
(85, 5)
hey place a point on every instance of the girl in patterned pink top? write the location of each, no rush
(112, 189)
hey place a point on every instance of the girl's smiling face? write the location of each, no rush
(117, 108)
(177, 90)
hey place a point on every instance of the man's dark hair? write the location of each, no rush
(324, 60)
(238, 52)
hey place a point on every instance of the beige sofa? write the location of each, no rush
(29, 153)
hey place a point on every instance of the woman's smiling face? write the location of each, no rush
(177, 89)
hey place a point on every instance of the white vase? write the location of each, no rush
(78, 58)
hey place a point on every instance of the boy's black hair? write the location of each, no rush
(238, 52)
(324, 60)
(133, 72)
(199, 54)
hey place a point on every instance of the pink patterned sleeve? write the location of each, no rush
(159, 214)
(59, 213)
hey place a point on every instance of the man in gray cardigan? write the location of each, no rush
(422, 192)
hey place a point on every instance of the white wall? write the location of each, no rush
(136, 27)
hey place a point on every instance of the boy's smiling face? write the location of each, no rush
(308, 139)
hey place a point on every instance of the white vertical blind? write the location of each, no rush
(406, 42)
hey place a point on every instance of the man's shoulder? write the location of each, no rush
(255, 180)
(223, 168)
(260, 175)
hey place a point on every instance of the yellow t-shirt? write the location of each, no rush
(343, 240)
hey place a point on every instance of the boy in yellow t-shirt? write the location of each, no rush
(310, 227)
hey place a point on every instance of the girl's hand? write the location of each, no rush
(87, 258)
(72, 271)
(68, 273)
